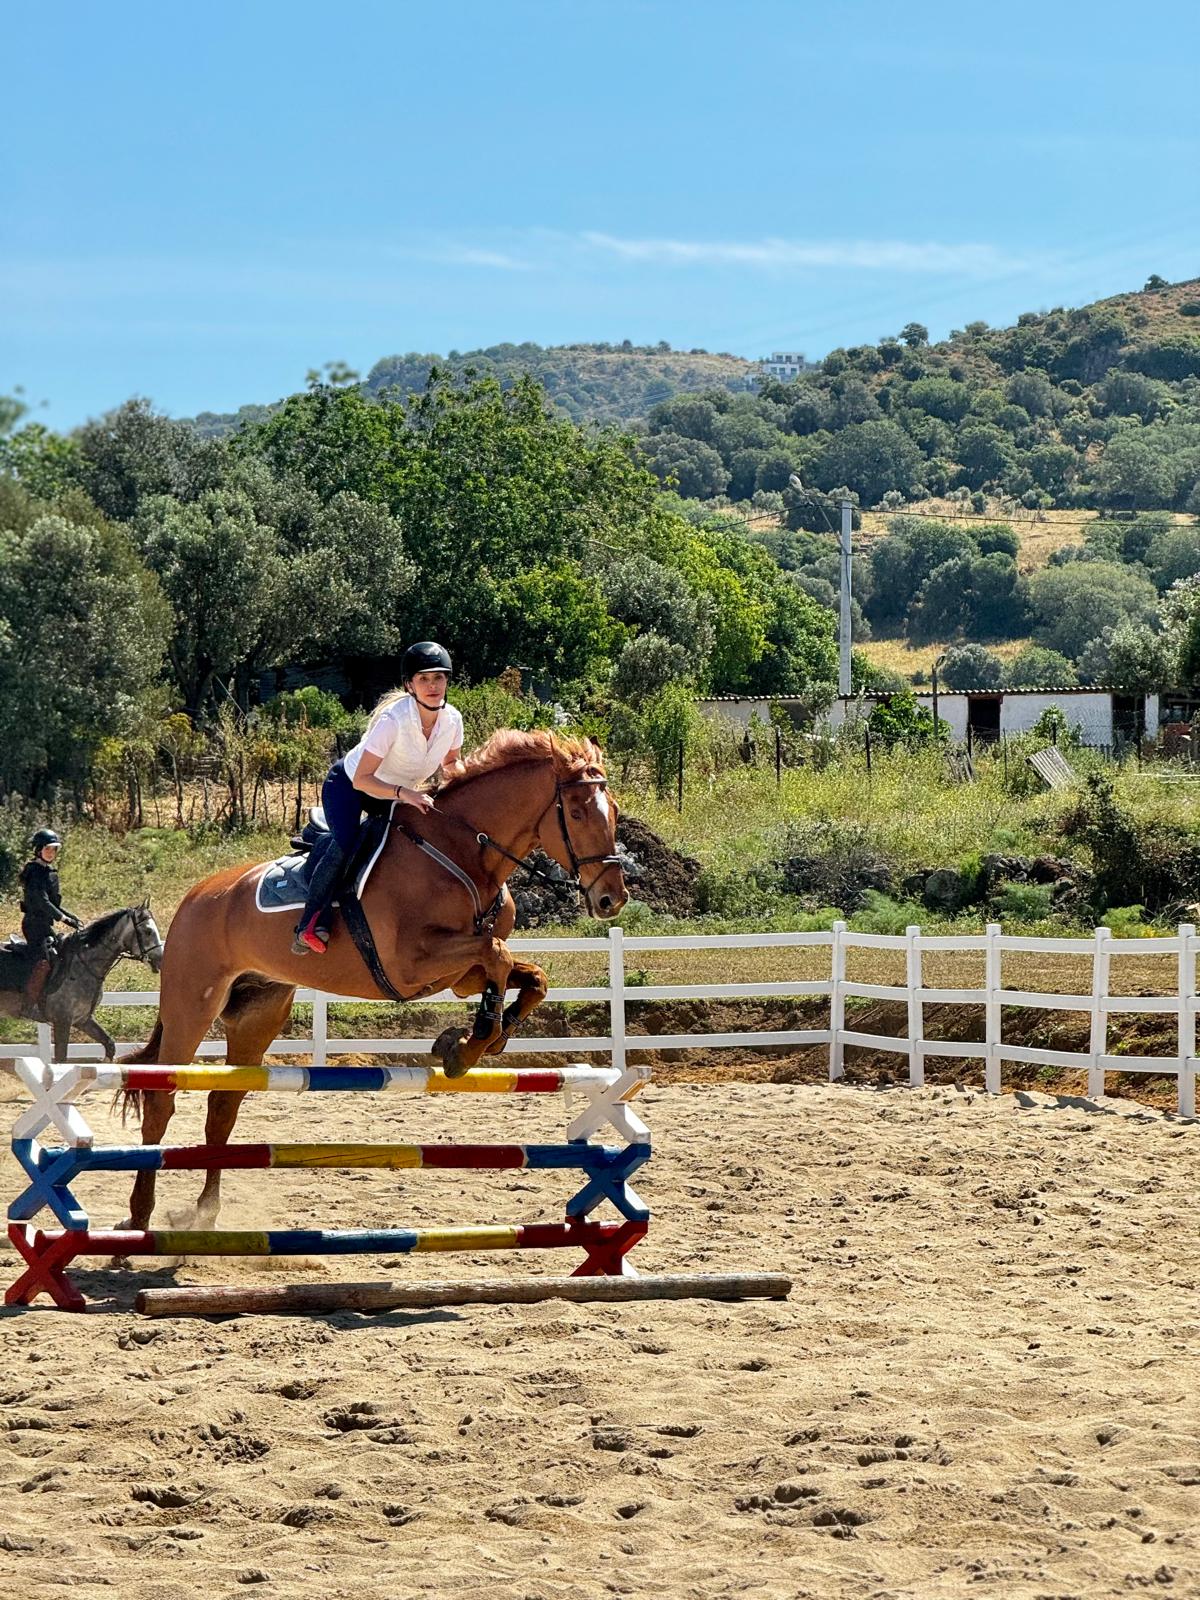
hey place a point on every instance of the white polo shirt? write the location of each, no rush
(407, 756)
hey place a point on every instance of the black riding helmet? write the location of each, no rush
(424, 657)
(42, 838)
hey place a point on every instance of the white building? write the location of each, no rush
(1103, 716)
(784, 365)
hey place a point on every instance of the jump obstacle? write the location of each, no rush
(606, 1169)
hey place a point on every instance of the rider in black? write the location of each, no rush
(41, 907)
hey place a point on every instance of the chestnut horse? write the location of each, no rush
(224, 958)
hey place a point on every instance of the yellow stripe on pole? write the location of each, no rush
(392, 1156)
(434, 1239)
(192, 1241)
(488, 1080)
(222, 1077)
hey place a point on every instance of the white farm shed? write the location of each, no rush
(1103, 716)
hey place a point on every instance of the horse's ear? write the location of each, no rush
(145, 906)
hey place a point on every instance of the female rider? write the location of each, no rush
(412, 733)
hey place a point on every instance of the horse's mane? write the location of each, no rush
(509, 747)
(95, 931)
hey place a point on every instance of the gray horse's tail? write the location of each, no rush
(131, 1099)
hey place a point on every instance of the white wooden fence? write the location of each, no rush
(1178, 999)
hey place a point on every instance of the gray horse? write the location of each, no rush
(76, 984)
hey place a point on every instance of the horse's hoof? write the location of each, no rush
(448, 1048)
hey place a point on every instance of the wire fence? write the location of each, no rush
(1176, 999)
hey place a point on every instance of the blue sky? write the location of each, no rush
(198, 203)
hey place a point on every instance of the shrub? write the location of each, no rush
(1022, 902)
(901, 720)
(882, 914)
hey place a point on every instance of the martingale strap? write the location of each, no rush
(483, 919)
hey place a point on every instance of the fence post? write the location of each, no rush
(616, 1001)
(1187, 1020)
(778, 758)
(837, 1004)
(867, 747)
(679, 782)
(916, 1007)
(992, 1013)
(320, 1029)
(1098, 1043)
(45, 1045)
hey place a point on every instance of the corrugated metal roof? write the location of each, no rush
(923, 689)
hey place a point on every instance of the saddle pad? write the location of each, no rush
(283, 883)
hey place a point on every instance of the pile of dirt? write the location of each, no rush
(654, 874)
(658, 876)
(541, 904)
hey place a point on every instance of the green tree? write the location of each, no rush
(1073, 605)
(695, 469)
(134, 453)
(871, 457)
(653, 598)
(1131, 655)
(985, 454)
(1136, 470)
(971, 666)
(1035, 667)
(940, 397)
(974, 595)
(646, 665)
(222, 571)
(82, 631)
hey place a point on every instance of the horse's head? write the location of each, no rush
(140, 936)
(580, 832)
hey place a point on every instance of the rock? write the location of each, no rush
(947, 889)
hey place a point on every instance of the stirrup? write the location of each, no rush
(311, 938)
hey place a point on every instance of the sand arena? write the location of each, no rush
(984, 1382)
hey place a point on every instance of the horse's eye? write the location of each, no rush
(577, 813)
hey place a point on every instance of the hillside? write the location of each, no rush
(603, 383)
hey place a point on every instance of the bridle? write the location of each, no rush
(146, 946)
(579, 861)
(483, 919)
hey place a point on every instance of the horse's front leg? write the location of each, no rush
(60, 1030)
(486, 965)
(531, 984)
(92, 1028)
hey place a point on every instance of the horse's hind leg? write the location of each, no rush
(174, 1045)
(92, 1028)
(253, 1015)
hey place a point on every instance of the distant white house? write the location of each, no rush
(783, 365)
(1103, 716)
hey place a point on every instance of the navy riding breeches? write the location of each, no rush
(345, 807)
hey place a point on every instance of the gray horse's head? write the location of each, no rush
(141, 938)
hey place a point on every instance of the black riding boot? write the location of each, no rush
(322, 889)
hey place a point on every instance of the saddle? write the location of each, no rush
(284, 884)
(17, 965)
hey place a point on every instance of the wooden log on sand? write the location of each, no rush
(314, 1299)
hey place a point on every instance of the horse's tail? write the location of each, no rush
(131, 1099)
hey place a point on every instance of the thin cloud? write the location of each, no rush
(466, 256)
(890, 255)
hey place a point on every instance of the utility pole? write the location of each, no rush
(844, 613)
